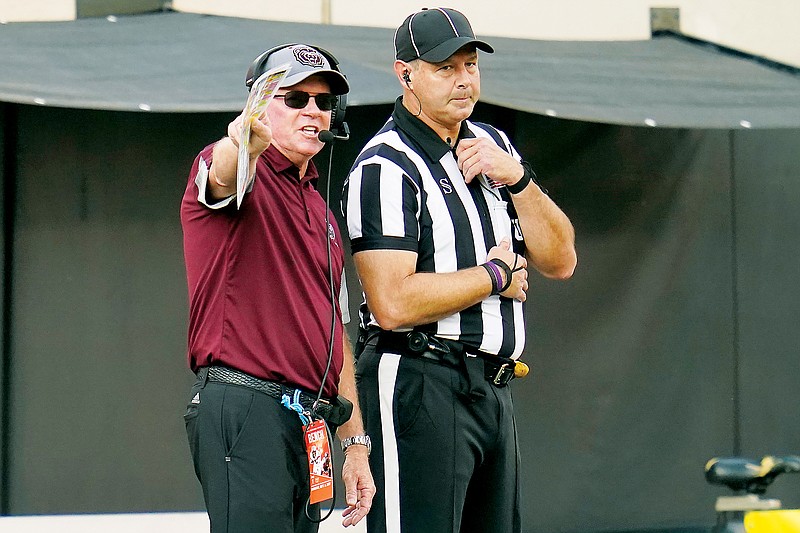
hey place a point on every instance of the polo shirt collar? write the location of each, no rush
(433, 146)
(281, 165)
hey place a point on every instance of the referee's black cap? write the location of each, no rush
(435, 34)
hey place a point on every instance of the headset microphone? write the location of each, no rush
(328, 136)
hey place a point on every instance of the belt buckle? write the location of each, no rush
(503, 370)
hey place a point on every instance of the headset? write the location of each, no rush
(407, 79)
(338, 126)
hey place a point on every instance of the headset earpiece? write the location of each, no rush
(338, 125)
(407, 78)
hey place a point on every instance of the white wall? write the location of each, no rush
(763, 27)
(767, 28)
(287, 10)
(532, 19)
(40, 10)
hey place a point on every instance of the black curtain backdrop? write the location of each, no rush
(675, 341)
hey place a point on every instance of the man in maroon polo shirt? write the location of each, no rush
(262, 312)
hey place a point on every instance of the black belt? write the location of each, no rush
(223, 374)
(497, 370)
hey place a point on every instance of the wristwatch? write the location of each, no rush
(357, 439)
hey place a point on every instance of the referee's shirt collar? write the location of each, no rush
(433, 146)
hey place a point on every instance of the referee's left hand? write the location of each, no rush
(358, 484)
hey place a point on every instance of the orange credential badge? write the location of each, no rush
(319, 462)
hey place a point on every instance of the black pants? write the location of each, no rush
(442, 463)
(250, 458)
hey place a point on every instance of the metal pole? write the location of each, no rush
(326, 12)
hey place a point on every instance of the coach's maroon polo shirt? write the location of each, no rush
(259, 294)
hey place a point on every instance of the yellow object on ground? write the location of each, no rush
(778, 521)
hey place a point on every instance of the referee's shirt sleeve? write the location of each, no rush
(382, 206)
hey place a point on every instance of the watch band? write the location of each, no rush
(363, 440)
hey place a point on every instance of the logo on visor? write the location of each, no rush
(308, 57)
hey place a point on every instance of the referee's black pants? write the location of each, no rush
(442, 462)
(249, 455)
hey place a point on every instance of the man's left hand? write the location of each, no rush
(358, 483)
(482, 156)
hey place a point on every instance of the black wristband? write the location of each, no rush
(519, 186)
(502, 264)
(528, 176)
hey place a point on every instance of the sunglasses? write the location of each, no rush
(299, 100)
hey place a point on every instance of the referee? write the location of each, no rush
(444, 217)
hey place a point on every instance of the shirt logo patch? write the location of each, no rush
(445, 185)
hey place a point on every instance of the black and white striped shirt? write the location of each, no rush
(406, 192)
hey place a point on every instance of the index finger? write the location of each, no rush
(463, 144)
(353, 514)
